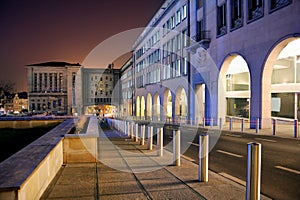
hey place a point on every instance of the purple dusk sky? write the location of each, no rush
(35, 31)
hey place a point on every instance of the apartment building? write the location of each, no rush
(212, 59)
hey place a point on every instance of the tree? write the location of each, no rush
(7, 86)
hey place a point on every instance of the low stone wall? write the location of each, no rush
(27, 174)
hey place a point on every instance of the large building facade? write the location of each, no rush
(212, 59)
(98, 91)
(51, 87)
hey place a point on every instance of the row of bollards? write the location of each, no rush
(253, 149)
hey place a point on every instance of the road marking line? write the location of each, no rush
(235, 179)
(231, 154)
(267, 140)
(288, 169)
(233, 135)
(187, 158)
(193, 144)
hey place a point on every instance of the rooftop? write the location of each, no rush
(55, 64)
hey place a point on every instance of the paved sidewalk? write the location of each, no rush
(127, 170)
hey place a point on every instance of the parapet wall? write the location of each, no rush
(27, 174)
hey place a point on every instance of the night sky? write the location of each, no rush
(34, 31)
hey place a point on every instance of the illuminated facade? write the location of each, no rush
(51, 87)
(97, 88)
(254, 45)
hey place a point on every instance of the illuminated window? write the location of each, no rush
(178, 17)
(184, 11)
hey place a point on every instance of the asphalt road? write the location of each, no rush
(280, 177)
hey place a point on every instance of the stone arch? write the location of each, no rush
(234, 87)
(274, 62)
(168, 103)
(143, 106)
(149, 106)
(138, 106)
(156, 106)
(181, 102)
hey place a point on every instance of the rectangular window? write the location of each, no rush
(178, 73)
(46, 81)
(32, 106)
(221, 20)
(60, 82)
(35, 82)
(49, 105)
(178, 42)
(185, 38)
(50, 81)
(40, 82)
(38, 106)
(54, 104)
(236, 14)
(172, 22)
(184, 11)
(164, 50)
(59, 102)
(178, 17)
(184, 66)
(55, 82)
(173, 45)
(200, 28)
(276, 4)
(173, 69)
(255, 9)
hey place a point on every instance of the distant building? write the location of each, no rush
(51, 87)
(98, 90)
(19, 103)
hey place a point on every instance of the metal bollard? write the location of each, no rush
(257, 125)
(143, 135)
(253, 171)
(203, 158)
(176, 147)
(211, 122)
(220, 123)
(203, 122)
(274, 126)
(160, 144)
(295, 128)
(150, 137)
(230, 124)
(243, 125)
(136, 132)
